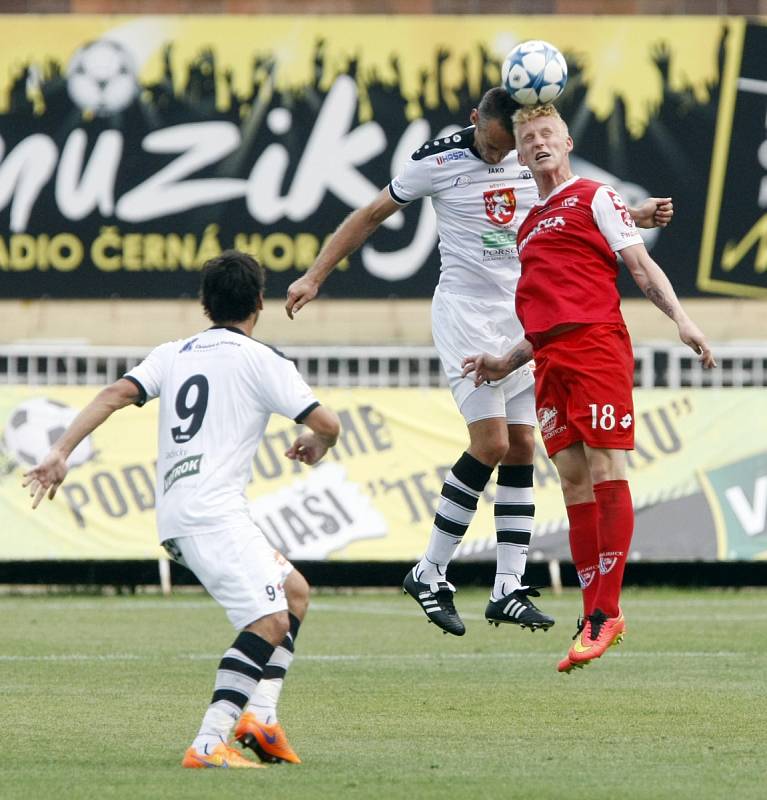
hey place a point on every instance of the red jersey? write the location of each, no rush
(567, 246)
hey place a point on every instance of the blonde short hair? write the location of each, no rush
(529, 113)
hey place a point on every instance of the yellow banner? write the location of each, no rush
(698, 478)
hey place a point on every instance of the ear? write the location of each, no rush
(521, 158)
(474, 116)
(260, 303)
(569, 144)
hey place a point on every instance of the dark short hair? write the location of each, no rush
(231, 285)
(498, 104)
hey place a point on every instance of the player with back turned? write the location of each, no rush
(217, 390)
(569, 306)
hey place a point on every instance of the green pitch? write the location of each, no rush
(100, 697)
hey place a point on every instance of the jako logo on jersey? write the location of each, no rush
(188, 346)
(500, 205)
(183, 469)
(462, 180)
(543, 225)
(570, 202)
(495, 170)
(453, 155)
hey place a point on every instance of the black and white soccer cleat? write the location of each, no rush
(517, 608)
(436, 600)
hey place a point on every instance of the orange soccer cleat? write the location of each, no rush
(220, 756)
(595, 634)
(268, 742)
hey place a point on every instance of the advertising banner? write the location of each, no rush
(698, 477)
(132, 149)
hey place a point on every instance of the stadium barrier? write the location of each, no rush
(657, 364)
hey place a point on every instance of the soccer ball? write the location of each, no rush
(34, 425)
(102, 78)
(534, 72)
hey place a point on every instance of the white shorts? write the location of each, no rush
(241, 571)
(463, 326)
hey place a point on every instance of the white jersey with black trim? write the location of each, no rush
(479, 208)
(217, 391)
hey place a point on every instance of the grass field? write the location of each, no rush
(102, 695)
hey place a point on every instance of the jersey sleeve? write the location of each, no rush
(613, 219)
(285, 392)
(148, 375)
(412, 183)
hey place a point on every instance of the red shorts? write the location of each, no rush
(583, 383)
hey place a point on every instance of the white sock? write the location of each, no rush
(216, 726)
(263, 702)
(456, 508)
(514, 511)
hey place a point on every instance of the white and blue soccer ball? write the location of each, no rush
(534, 72)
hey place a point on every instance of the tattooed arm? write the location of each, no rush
(652, 280)
(492, 368)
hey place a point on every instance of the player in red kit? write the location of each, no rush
(569, 306)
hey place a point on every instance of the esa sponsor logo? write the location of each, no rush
(188, 346)
(453, 155)
(462, 180)
(498, 239)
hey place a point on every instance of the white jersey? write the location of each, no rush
(217, 391)
(479, 208)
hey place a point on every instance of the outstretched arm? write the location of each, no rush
(310, 447)
(492, 368)
(652, 280)
(655, 212)
(350, 235)
(49, 474)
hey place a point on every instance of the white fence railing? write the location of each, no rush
(656, 364)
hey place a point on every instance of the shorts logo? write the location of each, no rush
(626, 421)
(182, 469)
(547, 418)
(500, 205)
(607, 562)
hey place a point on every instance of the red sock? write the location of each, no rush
(585, 550)
(616, 527)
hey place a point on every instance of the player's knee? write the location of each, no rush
(490, 449)
(297, 594)
(521, 447)
(273, 627)
(576, 491)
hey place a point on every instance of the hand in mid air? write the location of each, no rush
(485, 368)
(655, 212)
(47, 476)
(693, 337)
(300, 292)
(308, 448)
